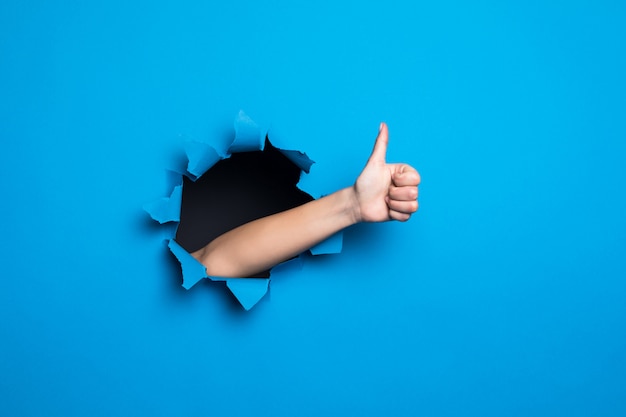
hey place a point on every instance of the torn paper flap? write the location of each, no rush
(248, 135)
(166, 209)
(193, 271)
(173, 178)
(300, 159)
(201, 158)
(248, 290)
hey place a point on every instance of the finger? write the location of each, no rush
(407, 207)
(380, 147)
(401, 217)
(405, 175)
(406, 193)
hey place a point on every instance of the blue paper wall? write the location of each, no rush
(503, 296)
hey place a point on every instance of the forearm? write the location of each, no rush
(263, 243)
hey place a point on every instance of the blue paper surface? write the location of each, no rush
(503, 296)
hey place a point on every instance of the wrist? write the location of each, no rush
(352, 206)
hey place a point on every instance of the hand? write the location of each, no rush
(385, 191)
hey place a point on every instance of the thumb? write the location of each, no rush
(380, 147)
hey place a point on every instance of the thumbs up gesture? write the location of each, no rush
(386, 191)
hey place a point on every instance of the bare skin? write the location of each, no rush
(382, 192)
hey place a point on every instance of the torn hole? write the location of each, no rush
(237, 190)
(218, 193)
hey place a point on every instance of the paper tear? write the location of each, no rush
(300, 159)
(249, 136)
(248, 290)
(173, 178)
(166, 209)
(201, 158)
(193, 271)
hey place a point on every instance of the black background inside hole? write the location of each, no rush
(235, 191)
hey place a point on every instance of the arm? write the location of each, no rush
(382, 192)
